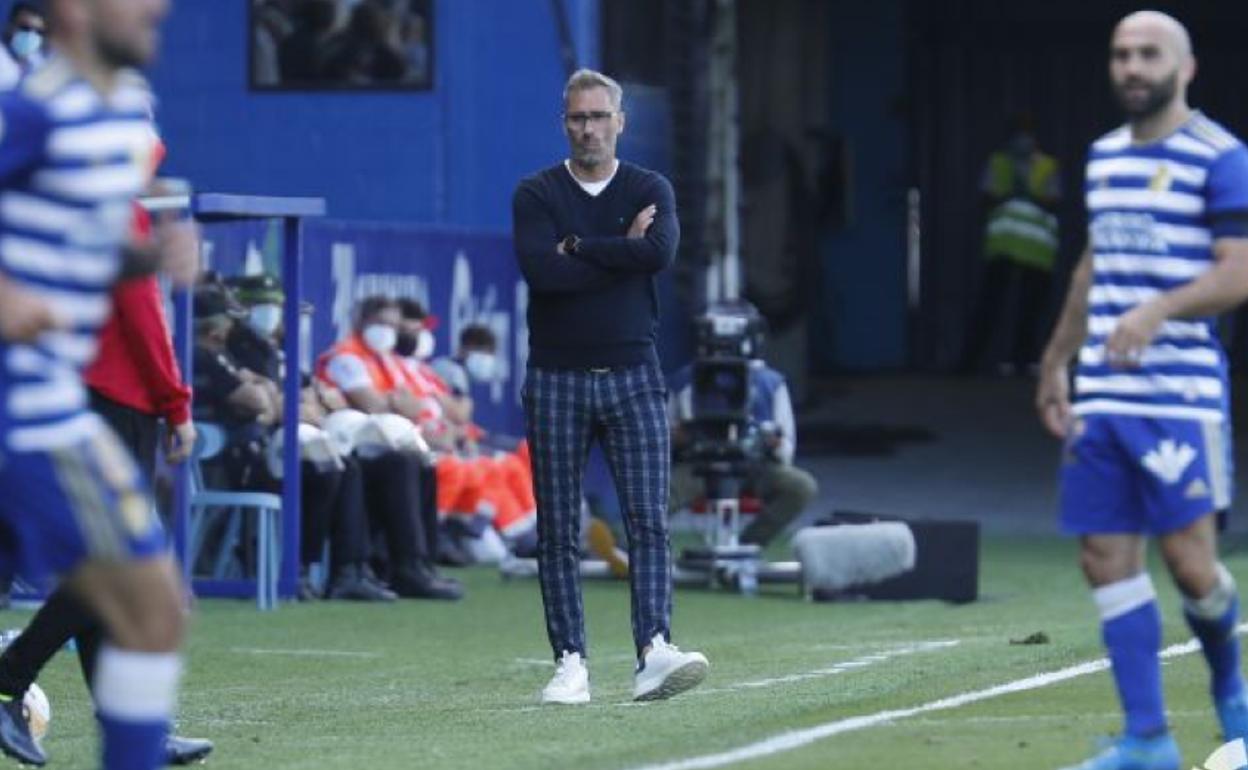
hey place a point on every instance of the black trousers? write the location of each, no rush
(333, 500)
(64, 616)
(138, 431)
(995, 294)
(401, 501)
(334, 510)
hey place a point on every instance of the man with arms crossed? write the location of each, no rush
(591, 233)
(1167, 199)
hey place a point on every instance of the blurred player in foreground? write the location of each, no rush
(133, 383)
(75, 147)
(1167, 199)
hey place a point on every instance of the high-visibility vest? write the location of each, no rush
(1019, 229)
(384, 372)
(504, 485)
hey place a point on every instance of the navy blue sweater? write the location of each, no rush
(599, 307)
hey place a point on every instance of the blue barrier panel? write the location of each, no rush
(462, 277)
(220, 208)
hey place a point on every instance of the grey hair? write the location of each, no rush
(585, 79)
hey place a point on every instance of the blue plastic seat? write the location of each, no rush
(266, 507)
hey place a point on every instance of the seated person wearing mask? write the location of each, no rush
(783, 489)
(392, 496)
(505, 478)
(249, 406)
(415, 346)
(473, 362)
(371, 379)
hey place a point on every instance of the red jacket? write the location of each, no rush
(135, 365)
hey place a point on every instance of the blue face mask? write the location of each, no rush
(26, 43)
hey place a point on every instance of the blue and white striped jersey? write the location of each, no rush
(1154, 211)
(71, 163)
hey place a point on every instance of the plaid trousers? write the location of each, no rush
(625, 410)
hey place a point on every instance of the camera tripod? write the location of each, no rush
(723, 560)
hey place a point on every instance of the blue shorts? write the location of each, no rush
(62, 507)
(1142, 475)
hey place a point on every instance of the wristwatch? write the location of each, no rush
(571, 244)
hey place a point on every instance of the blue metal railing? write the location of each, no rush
(220, 207)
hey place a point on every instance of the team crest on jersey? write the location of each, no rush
(1161, 179)
(1169, 460)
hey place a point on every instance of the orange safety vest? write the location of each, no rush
(504, 485)
(386, 373)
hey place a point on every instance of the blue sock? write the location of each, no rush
(1131, 629)
(132, 744)
(134, 698)
(1213, 620)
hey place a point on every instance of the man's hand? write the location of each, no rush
(331, 398)
(407, 403)
(178, 244)
(643, 220)
(1053, 399)
(1135, 330)
(179, 441)
(23, 316)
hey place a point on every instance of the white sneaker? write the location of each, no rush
(666, 671)
(570, 684)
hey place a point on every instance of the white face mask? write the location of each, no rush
(480, 366)
(26, 43)
(380, 337)
(425, 344)
(265, 319)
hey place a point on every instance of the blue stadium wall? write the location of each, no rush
(447, 156)
(418, 183)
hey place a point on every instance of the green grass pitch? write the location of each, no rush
(424, 685)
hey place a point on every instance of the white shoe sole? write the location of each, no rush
(680, 679)
(567, 700)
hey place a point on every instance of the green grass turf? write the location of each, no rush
(424, 685)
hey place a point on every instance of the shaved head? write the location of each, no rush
(1150, 64)
(1159, 26)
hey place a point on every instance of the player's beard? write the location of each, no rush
(120, 55)
(1160, 94)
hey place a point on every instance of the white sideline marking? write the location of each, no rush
(1026, 718)
(795, 739)
(839, 668)
(304, 653)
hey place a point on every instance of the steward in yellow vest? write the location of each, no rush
(1022, 184)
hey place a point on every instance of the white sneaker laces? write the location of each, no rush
(567, 664)
(661, 644)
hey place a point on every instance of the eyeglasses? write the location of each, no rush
(583, 119)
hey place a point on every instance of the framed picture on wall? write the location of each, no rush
(341, 45)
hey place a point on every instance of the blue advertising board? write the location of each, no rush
(461, 277)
